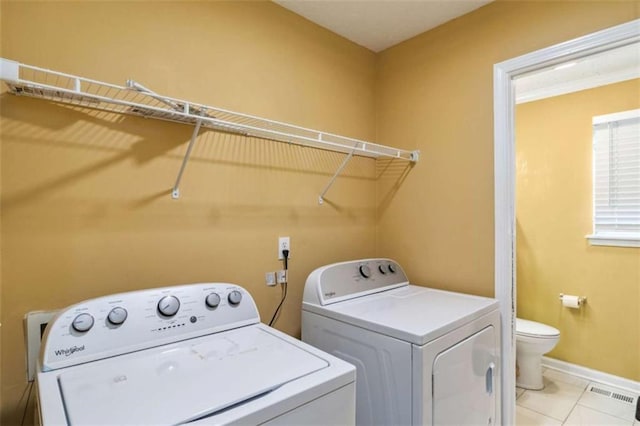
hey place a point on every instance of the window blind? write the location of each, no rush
(616, 176)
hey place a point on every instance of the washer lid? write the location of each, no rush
(184, 381)
(410, 313)
(531, 328)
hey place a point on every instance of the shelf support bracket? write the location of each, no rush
(175, 194)
(336, 174)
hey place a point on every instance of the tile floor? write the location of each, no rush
(568, 400)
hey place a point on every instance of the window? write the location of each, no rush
(616, 179)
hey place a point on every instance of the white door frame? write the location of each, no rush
(504, 176)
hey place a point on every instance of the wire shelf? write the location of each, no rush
(135, 99)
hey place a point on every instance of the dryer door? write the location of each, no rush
(464, 381)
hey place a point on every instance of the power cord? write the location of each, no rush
(26, 405)
(276, 314)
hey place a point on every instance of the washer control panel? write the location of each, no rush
(127, 322)
(347, 280)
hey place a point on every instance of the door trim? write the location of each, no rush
(504, 176)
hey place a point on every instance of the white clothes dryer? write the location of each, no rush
(423, 356)
(186, 354)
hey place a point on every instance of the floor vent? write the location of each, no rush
(613, 395)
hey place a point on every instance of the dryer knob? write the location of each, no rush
(392, 268)
(117, 315)
(365, 271)
(382, 270)
(83, 322)
(168, 306)
(235, 297)
(212, 300)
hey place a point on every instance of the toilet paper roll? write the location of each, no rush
(572, 302)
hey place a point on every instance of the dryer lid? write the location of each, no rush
(531, 328)
(184, 381)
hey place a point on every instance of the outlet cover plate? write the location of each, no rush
(281, 276)
(34, 325)
(284, 243)
(270, 278)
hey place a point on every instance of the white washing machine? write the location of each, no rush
(187, 354)
(423, 356)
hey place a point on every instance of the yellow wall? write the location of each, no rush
(435, 92)
(554, 213)
(85, 195)
(1, 55)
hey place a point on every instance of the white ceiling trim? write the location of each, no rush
(609, 67)
(571, 86)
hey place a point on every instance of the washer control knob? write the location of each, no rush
(83, 322)
(117, 315)
(235, 297)
(365, 271)
(212, 300)
(168, 306)
(382, 270)
(392, 268)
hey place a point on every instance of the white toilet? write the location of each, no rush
(533, 340)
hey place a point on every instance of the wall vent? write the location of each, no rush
(613, 395)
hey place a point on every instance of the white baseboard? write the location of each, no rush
(592, 375)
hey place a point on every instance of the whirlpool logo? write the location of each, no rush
(69, 351)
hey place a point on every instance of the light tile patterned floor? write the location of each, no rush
(567, 400)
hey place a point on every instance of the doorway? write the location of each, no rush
(504, 175)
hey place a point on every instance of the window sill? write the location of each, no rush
(614, 240)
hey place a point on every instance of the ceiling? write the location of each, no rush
(379, 24)
(611, 66)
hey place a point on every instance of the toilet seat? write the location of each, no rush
(535, 329)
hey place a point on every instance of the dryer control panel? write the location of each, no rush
(127, 322)
(347, 280)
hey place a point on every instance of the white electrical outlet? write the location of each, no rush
(283, 244)
(270, 278)
(281, 276)
(34, 324)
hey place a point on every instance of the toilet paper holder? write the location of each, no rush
(581, 299)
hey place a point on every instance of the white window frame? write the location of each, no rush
(603, 238)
